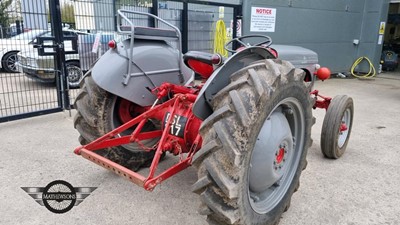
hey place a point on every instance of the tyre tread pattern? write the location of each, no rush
(330, 126)
(218, 168)
(90, 121)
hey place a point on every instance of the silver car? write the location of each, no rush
(41, 68)
(9, 48)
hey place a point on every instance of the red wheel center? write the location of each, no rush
(124, 111)
(280, 155)
(343, 127)
(128, 110)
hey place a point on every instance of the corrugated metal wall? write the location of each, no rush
(327, 27)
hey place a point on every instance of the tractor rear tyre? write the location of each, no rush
(254, 145)
(99, 112)
(334, 139)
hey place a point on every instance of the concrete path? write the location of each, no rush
(363, 187)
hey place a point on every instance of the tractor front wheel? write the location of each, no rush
(255, 145)
(336, 127)
(99, 112)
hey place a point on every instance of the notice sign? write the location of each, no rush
(262, 19)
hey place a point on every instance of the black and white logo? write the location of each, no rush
(59, 196)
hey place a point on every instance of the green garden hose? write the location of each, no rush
(370, 74)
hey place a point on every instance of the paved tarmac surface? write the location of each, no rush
(20, 94)
(363, 187)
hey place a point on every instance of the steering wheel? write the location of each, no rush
(267, 42)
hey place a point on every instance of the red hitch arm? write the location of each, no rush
(115, 138)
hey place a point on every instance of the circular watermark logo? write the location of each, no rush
(59, 196)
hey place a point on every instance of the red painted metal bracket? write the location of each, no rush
(115, 138)
(321, 102)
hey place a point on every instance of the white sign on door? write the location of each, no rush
(96, 43)
(262, 19)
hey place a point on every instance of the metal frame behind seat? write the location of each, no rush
(151, 33)
(148, 33)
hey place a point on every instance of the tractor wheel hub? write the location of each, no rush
(271, 152)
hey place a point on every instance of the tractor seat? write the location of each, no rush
(199, 56)
(201, 63)
(151, 33)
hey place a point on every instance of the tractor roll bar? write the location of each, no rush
(121, 15)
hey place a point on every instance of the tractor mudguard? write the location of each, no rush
(153, 63)
(300, 57)
(221, 77)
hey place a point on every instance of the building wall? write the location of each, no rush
(327, 27)
(34, 14)
(375, 12)
(103, 12)
(84, 18)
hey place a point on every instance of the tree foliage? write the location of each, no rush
(68, 13)
(4, 19)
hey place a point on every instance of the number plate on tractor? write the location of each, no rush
(178, 124)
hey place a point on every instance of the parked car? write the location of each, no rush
(41, 68)
(11, 46)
